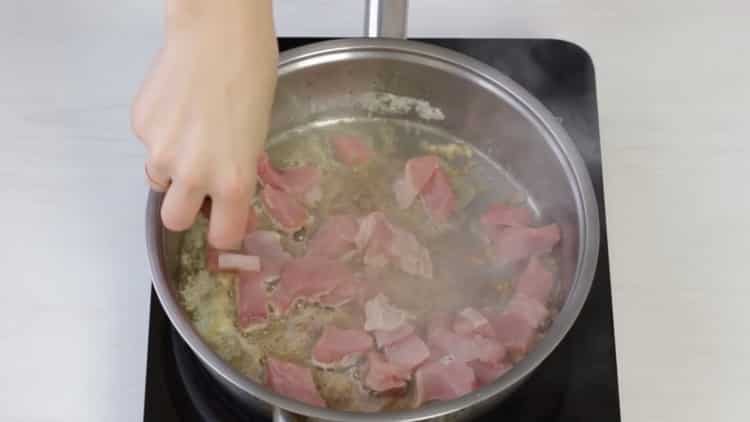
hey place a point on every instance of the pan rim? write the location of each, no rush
(524, 102)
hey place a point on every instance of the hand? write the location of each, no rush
(203, 111)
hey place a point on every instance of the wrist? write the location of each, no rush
(254, 16)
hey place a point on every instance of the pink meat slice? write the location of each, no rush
(387, 337)
(410, 256)
(300, 180)
(230, 261)
(516, 325)
(470, 321)
(468, 348)
(382, 375)
(515, 333)
(285, 211)
(385, 243)
(487, 373)
(251, 296)
(251, 300)
(408, 353)
(535, 281)
(438, 197)
(293, 381)
(462, 347)
(417, 173)
(375, 236)
(381, 315)
(533, 311)
(266, 244)
(368, 289)
(294, 180)
(443, 379)
(351, 150)
(512, 244)
(439, 321)
(335, 238)
(339, 347)
(488, 350)
(310, 278)
(267, 175)
(503, 215)
(342, 294)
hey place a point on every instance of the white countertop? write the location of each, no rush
(674, 94)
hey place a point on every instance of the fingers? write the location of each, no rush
(141, 112)
(228, 220)
(157, 179)
(180, 206)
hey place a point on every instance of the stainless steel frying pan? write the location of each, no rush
(483, 107)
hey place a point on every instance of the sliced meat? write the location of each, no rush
(459, 347)
(335, 238)
(488, 350)
(417, 173)
(382, 376)
(230, 261)
(223, 260)
(294, 180)
(375, 237)
(369, 287)
(293, 381)
(351, 150)
(387, 337)
(514, 332)
(471, 321)
(340, 348)
(439, 322)
(516, 325)
(300, 180)
(438, 197)
(266, 244)
(532, 310)
(342, 294)
(309, 278)
(380, 314)
(512, 244)
(487, 373)
(467, 348)
(267, 175)
(502, 215)
(462, 347)
(251, 301)
(443, 379)
(385, 243)
(535, 282)
(312, 196)
(408, 353)
(411, 257)
(285, 211)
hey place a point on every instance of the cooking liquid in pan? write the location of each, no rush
(464, 272)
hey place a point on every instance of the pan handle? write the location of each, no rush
(386, 18)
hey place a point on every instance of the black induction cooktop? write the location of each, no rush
(577, 382)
